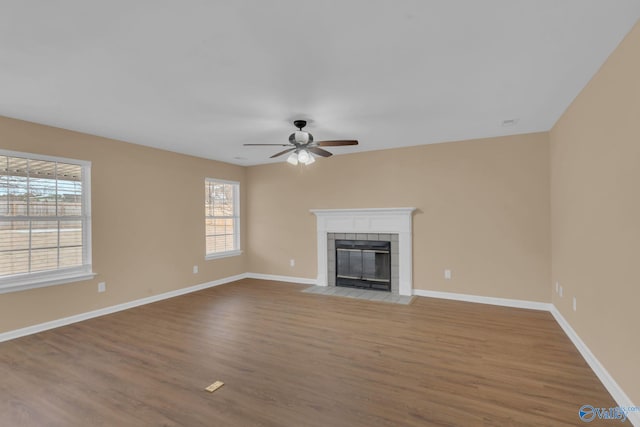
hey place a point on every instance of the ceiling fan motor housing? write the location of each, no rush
(300, 137)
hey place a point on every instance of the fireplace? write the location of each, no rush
(377, 224)
(363, 264)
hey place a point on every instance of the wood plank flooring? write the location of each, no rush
(289, 358)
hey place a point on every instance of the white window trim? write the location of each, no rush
(226, 254)
(236, 226)
(20, 282)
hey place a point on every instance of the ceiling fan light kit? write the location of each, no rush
(303, 147)
(293, 159)
(311, 160)
(303, 157)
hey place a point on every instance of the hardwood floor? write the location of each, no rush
(296, 359)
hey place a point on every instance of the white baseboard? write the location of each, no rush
(289, 279)
(34, 329)
(603, 375)
(532, 305)
(40, 327)
(607, 380)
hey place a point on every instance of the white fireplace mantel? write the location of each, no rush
(376, 220)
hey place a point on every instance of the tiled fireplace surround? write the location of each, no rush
(385, 237)
(394, 223)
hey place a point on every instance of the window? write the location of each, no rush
(45, 223)
(222, 218)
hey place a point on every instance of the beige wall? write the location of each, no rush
(148, 223)
(595, 193)
(483, 211)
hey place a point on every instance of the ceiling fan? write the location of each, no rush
(303, 147)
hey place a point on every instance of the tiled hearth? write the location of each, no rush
(359, 294)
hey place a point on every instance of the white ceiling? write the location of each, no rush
(204, 77)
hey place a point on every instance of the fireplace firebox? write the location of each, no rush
(363, 264)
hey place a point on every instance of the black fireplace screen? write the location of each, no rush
(363, 264)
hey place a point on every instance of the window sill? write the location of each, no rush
(26, 283)
(223, 255)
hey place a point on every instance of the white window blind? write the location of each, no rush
(222, 218)
(44, 220)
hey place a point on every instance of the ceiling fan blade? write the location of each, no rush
(336, 143)
(283, 152)
(279, 145)
(319, 151)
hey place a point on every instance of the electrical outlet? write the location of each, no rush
(195, 269)
(560, 290)
(574, 304)
(447, 274)
(102, 286)
(292, 262)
